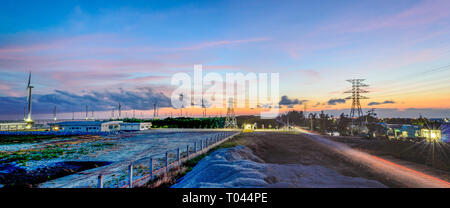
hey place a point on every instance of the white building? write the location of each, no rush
(135, 126)
(13, 126)
(98, 126)
(86, 126)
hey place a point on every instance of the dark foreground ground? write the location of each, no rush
(294, 148)
(290, 148)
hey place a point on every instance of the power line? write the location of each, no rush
(403, 78)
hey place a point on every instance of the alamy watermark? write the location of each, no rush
(211, 90)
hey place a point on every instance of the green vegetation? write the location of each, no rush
(24, 156)
(51, 152)
(20, 139)
(183, 122)
(268, 123)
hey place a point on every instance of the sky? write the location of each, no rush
(99, 53)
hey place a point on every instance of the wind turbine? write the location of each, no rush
(29, 87)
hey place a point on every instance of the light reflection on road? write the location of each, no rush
(404, 175)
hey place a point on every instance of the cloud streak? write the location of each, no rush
(139, 99)
(285, 100)
(335, 101)
(381, 103)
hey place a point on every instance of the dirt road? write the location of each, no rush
(288, 148)
(300, 148)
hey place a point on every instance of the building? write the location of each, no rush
(98, 126)
(445, 130)
(135, 126)
(19, 126)
(431, 135)
(86, 126)
(402, 131)
(393, 130)
(410, 131)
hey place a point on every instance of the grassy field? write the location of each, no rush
(48, 152)
(20, 139)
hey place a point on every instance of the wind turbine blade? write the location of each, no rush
(29, 79)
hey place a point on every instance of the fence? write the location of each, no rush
(143, 170)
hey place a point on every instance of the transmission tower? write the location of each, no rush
(230, 121)
(204, 108)
(356, 96)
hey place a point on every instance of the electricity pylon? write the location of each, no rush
(230, 121)
(356, 96)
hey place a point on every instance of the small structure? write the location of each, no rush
(86, 126)
(135, 126)
(410, 131)
(249, 127)
(445, 131)
(402, 131)
(19, 126)
(431, 135)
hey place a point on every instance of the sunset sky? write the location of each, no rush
(99, 53)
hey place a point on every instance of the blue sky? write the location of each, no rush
(82, 48)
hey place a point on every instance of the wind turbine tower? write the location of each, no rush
(29, 87)
(54, 113)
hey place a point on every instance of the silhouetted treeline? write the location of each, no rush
(268, 123)
(183, 122)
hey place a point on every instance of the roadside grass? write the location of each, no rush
(169, 179)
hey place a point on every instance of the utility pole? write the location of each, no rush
(54, 113)
(87, 110)
(182, 106)
(120, 111)
(304, 113)
(154, 110)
